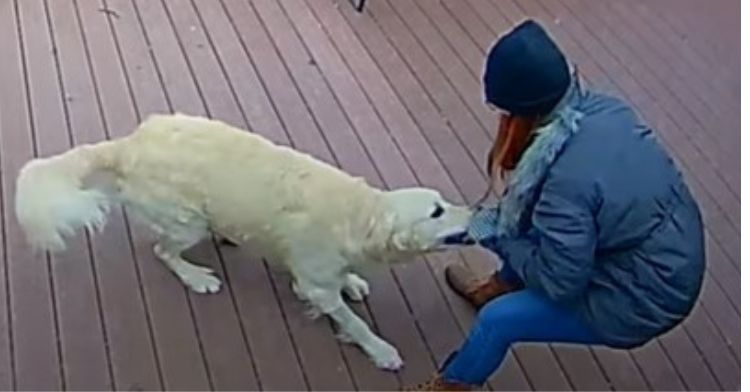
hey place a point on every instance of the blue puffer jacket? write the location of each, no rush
(609, 228)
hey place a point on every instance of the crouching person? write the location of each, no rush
(601, 241)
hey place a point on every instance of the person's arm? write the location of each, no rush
(483, 225)
(559, 259)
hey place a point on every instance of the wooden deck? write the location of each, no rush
(393, 95)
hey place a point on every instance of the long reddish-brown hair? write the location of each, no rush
(514, 134)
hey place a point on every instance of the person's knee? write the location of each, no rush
(495, 313)
(509, 313)
(496, 327)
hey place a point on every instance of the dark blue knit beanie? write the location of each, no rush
(526, 73)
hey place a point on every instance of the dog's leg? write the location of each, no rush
(355, 287)
(352, 328)
(312, 312)
(169, 250)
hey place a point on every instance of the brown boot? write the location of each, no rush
(438, 383)
(475, 289)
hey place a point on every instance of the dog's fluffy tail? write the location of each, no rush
(52, 201)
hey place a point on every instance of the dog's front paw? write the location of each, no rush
(356, 288)
(200, 280)
(386, 357)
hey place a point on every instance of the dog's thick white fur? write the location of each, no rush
(188, 177)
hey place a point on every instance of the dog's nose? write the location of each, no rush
(461, 238)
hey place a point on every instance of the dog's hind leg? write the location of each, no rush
(312, 312)
(169, 248)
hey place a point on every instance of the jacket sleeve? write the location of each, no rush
(483, 225)
(558, 259)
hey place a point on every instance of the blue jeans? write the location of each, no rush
(521, 316)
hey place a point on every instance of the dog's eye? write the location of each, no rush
(437, 212)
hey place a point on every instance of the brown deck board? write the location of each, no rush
(701, 373)
(306, 334)
(420, 298)
(702, 87)
(85, 354)
(582, 370)
(176, 341)
(657, 368)
(312, 92)
(619, 368)
(724, 317)
(694, 27)
(679, 361)
(675, 96)
(725, 274)
(36, 353)
(713, 75)
(600, 59)
(10, 78)
(460, 77)
(229, 363)
(367, 125)
(130, 337)
(293, 111)
(411, 141)
(393, 95)
(712, 346)
(451, 108)
(6, 368)
(265, 326)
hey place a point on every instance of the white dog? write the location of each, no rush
(188, 177)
